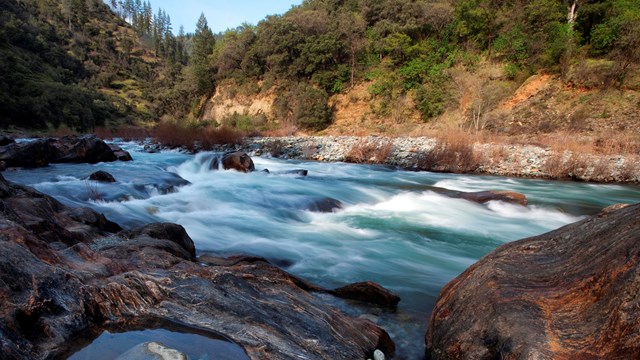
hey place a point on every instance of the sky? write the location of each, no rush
(221, 15)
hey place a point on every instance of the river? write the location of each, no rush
(393, 229)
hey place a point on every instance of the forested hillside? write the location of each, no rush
(84, 63)
(78, 64)
(410, 53)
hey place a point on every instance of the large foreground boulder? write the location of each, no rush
(60, 277)
(572, 293)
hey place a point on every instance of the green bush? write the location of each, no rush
(310, 107)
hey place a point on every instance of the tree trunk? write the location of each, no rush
(573, 13)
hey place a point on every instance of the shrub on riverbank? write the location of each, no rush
(370, 152)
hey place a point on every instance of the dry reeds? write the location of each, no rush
(370, 152)
(191, 138)
(453, 152)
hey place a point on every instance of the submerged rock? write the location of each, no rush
(368, 291)
(60, 277)
(102, 176)
(571, 293)
(323, 205)
(152, 351)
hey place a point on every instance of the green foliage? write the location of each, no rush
(431, 98)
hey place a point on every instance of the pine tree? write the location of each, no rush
(203, 42)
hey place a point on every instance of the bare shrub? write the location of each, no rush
(629, 169)
(554, 167)
(193, 138)
(275, 148)
(449, 156)
(370, 152)
(309, 151)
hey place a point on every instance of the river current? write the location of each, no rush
(392, 229)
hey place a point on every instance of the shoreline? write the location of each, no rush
(428, 154)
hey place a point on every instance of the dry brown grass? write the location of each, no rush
(370, 152)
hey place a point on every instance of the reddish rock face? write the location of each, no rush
(568, 294)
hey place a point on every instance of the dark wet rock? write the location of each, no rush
(369, 292)
(92, 218)
(323, 205)
(165, 231)
(568, 294)
(102, 176)
(496, 195)
(121, 155)
(152, 148)
(5, 140)
(234, 160)
(482, 197)
(67, 149)
(298, 172)
(29, 154)
(72, 277)
(83, 149)
(3, 166)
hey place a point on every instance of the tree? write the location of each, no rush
(352, 29)
(203, 43)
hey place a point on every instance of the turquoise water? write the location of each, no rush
(392, 228)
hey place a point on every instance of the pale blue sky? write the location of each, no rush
(221, 15)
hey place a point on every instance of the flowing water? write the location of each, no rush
(393, 229)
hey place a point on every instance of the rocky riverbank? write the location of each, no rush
(422, 153)
(67, 273)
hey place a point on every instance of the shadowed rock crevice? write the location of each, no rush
(568, 294)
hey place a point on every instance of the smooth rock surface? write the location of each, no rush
(568, 294)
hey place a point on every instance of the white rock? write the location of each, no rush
(378, 355)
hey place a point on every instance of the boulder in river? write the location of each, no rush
(482, 197)
(234, 160)
(102, 176)
(368, 291)
(36, 153)
(121, 155)
(83, 149)
(67, 149)
(60, 277)
(571, 293)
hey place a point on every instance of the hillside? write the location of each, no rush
(75, 64)
(414, 67)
